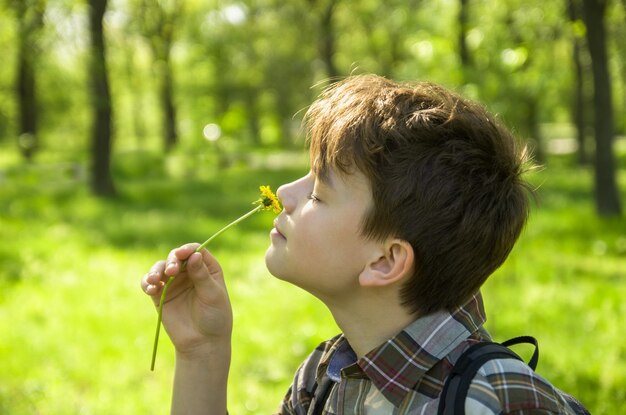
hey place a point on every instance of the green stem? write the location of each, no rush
(183, 266)
(160, 316)
(233, 223)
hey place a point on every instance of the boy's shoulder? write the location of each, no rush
(510, 385)
(500, 386)
(489, 377)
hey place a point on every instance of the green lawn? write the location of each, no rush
(76, 332)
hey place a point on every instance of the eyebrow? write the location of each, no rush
(325, 179)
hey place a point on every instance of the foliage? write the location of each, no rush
(249, 65)
(77, 330)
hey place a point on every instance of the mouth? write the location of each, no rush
(277, 230)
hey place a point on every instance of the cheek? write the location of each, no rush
(326, 239)
(308, 237)
(312, 236)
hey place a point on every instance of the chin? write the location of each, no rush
(276, 265)
(271, 262)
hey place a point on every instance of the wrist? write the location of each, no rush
(201, 379)
(206, 352)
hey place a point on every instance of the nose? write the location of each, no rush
(286, 200)
(290, 193)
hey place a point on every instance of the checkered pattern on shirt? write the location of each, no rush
(406, 374)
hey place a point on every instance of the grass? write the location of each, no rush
(76, 332)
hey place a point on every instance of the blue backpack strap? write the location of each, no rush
(454, 393)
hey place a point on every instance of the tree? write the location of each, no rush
(158, 20)
(325, 10)
(606, 193)
(463, 19)
(101, 181)
(524, 58)
(384, 27)
(579, 99)
(29, 15)
(618, 25)
(518, 48)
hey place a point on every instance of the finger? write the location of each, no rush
(177, 257)
(156, 275)
(153, 290)
(185, 251)
(213, 267)
(154, 279)
(206, 276)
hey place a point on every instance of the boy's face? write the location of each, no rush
(316, 243)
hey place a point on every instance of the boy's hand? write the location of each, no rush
(196, 313)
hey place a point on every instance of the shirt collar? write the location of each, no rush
(397, 365)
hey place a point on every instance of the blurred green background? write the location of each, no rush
(130, 127)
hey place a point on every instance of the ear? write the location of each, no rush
(392, 264)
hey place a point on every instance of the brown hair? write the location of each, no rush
(445, 176)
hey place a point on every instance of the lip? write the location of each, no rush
(276, 231)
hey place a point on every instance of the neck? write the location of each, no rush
(368, 322)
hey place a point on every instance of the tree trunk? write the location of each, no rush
(327, 40)
(607, 198)
(169, 110)
(137, 93)
(622, 47)
(27, 98)
(30, 21)
(251, 98)
(283, 105)
(578, 101)
(533, 105)
(464, 55)
(101, 181)
(578, 106)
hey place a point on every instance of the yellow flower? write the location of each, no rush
(268, 200)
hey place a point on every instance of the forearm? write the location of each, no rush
(200, 383)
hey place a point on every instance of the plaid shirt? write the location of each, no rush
(406, 374)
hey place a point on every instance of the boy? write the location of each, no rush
(414, 198)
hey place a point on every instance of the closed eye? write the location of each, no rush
(312, 196)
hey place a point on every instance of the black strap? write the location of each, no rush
(454, 393)
(534, 359)
(320, 395)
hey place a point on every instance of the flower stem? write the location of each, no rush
(182, 268)
(233, 223)
(160, 316)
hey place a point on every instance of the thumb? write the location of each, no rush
(213, 267)
(206, 274)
